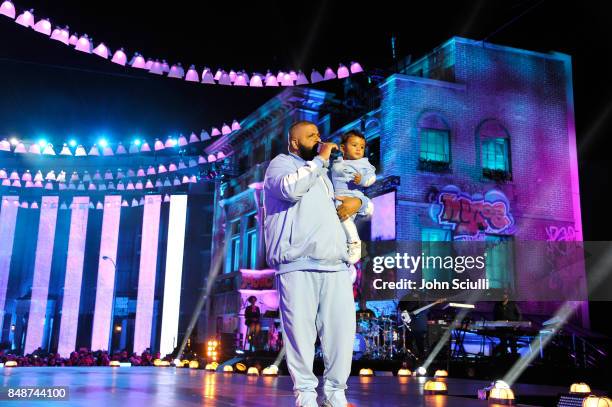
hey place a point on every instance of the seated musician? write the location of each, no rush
(364, 312)
(506, 310)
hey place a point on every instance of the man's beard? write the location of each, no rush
(307, 153)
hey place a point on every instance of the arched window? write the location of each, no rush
(494, 150)
(434, 142)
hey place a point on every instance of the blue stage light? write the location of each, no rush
(103, 143)
(72, 143)
(137, 141)
(42, 142)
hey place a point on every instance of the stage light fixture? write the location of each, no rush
(286, 79)
(138, 61)
(101, 50)
(207, 76)
(421, 371)
(271, 370)
(194, 364)
(156, 68)
(225, 79)
(176, 71)
(498, 392)
(14, 141)
(404, 372)
(580, 388)
(170, 142)
(433, 387)
(315, 76)
(49, 150)
(103, 143)
(114, 363)
(137, 142)
(256, 81)
(253, 371)
(80, 151)
(43, 26)
(61, 35)
(26, 19)
(119, 57)
(42, 143)
(241, 80)
(366, 372)
(594, 401)
(271, 80)
(343, 72)
(72, 143)
(301, 79)
(329, 74)
(84, 44)
(10, 363)
(165, 66)
(7, 9)
(225, 129)
(441, 373)
(120, 149)
(356, 67)
(228, 369)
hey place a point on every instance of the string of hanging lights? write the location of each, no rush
(104, 148)
(84, 43)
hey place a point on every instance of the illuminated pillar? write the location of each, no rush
(105, 286)
(42, 272)
(8, 220)
(174, 273)
(74, 275)
(146, 273)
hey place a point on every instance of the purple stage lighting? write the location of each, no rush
(7, 9)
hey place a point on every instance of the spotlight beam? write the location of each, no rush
(600, 273)
(566, 310)
(212, 275)
(473, 298)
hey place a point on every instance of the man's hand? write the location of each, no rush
(357, 179)
(326, 149)
(350, 206)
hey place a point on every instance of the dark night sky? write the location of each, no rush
(61, 92)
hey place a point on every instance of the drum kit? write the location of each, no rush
(380, 338)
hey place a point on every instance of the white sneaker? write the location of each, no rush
(306, 399)
(338, 399)
(354, 251)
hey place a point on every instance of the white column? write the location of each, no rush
(8, 221)
(74, 275)
(105, 286)
(174, 273)
(146, 273)
(42, 273)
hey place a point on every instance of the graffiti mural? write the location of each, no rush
(472, 215)
(561, 234)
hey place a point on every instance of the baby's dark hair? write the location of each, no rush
(352, 133)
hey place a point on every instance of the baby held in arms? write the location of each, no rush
(351, 173)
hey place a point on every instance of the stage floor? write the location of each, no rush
(149, 387)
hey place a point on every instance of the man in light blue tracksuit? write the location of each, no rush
(306, 244)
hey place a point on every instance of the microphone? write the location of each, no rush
(335, 153)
